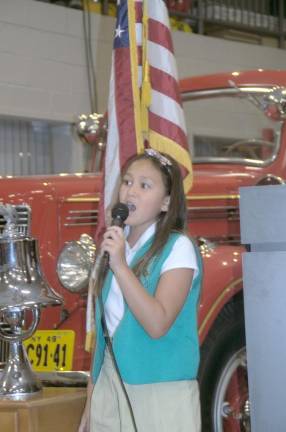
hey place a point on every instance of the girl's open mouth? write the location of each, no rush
(131, 207)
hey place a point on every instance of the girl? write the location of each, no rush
(150, 297)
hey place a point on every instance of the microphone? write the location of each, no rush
(119, 214)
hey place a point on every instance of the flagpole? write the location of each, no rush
(135, 75)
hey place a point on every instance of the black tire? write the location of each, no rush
(225, 339)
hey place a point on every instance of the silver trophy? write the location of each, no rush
(23, 292)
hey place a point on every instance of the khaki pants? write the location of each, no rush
(161, 407)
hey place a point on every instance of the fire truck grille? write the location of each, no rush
(214, 212)
(81, 218)
(23, 226)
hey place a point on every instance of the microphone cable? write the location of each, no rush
(114, 362)
(119, 214)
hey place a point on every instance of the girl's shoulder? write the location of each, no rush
(183, 240)
(183, 254)
(184, 244)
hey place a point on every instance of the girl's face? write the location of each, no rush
(143, 191)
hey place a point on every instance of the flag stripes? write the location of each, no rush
(160, 34)
(144, 102)
(167, 128)
(164, 83)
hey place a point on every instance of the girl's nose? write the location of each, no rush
(132, 190)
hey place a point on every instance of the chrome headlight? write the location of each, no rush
(75, 263)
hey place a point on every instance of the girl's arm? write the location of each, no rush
(155, 313)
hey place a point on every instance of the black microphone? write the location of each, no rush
(119, 214)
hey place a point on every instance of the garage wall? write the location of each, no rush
(42, 57)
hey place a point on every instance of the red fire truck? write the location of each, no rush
(237, 137)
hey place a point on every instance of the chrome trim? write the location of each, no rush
(211, 208)
(76, 218)
(219, 212)
(83, 211)
(245, 91)
(82, 199)
(270, 179)
(201, 94)
(234, 161)
(80, 224)
(226, 91)
(212, 197)
(23, 226)
(79, 217)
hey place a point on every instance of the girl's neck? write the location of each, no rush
(134, 234)
(133, 237)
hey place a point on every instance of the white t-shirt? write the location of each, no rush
(182, 255)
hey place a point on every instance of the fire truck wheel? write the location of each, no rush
(223, 373)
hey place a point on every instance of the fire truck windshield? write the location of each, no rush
(233, 127)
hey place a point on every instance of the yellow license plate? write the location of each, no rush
(51, 350)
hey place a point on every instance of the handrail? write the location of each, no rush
(261, 17)
(257, 17)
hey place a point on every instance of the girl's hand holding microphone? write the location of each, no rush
(114, 244)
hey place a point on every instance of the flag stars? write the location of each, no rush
(119, 31)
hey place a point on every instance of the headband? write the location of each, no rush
(156, 155)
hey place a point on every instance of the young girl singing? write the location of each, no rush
(150, 298)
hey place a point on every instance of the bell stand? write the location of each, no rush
(18, 380)
(25, 405)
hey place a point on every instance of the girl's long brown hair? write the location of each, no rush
(174, 219)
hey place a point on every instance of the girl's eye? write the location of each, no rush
(126, 182)
(145, 185)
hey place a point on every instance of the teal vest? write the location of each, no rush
(141, 359)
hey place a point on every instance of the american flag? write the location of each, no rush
(144, 98)
(143, 57)
(167, 129)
